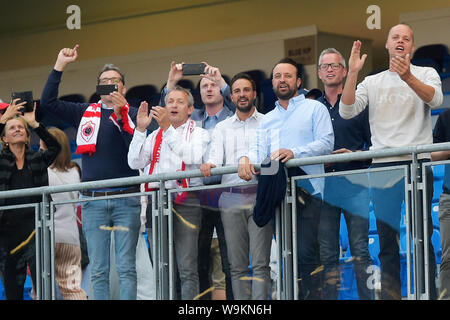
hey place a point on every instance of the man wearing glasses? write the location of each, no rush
(340, 194)
(105, 130)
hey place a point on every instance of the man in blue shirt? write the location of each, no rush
(296, 128)
(340, 193)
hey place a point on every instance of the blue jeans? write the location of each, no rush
(353, 200)
(98, 217)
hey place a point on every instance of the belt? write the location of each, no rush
(242, 190)
(109, 193)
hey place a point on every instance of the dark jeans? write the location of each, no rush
(13, 266)
(387, 203)
(210, 219)
(308, 259)
(343, 196)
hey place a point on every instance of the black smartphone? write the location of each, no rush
(193, 69)
(106, 89)
(24, 96)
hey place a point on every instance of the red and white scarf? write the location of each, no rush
(187, 132)
(90, 123)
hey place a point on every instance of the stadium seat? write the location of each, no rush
(432, 55)
(374, 248)
(446, 84)
(268, 96)
(436, 240)
(343, 236)
(73, 97)
(94, 98)
(137, 94)
(372, 223)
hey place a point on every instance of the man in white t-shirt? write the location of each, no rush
(400, 101)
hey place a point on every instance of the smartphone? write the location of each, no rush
(193, 69)
(106, 89)
(24, 96)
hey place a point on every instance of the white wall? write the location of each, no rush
(429, 27)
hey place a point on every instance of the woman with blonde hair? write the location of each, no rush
(67, 242)
(21, 168)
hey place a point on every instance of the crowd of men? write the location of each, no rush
(386, 110)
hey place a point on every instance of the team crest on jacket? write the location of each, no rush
(87, 131)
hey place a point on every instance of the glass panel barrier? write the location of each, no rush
(217, 249)
(340, 219)
(437, 227)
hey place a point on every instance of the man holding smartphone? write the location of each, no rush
(105, 130)
(215, 94)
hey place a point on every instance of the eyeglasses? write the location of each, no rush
(114, 80)
(334, 66)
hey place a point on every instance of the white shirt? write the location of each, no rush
(66, 229)
(397, 115)
(174, 150)
(230, 140)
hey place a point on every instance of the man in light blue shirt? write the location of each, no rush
(296, 128)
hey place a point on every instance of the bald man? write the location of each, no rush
(400, 101)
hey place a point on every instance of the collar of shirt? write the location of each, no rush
(211, 121)
(104, 106)
(293, 102)
(254, 115)
(324, 100)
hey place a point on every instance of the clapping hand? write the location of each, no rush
(143, 118)
(356, 61)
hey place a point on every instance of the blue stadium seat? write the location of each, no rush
(433, 55)
(446, 84)
(435, 215)
(372, 223)
(436, 240)
(137, 94)
(374, 248)
(343, 235)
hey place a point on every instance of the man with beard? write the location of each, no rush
(340, 193)
(230, 139)
(400, 101)
(296, 128)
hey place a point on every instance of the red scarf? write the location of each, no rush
(157, 154)
(90, 124)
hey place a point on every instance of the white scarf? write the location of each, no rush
(90, 123)
(187, 132)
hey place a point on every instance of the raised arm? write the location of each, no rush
(70, 112)
(355, 64)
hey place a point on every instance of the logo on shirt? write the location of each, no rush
(87, 131)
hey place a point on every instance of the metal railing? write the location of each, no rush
(285, 217)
